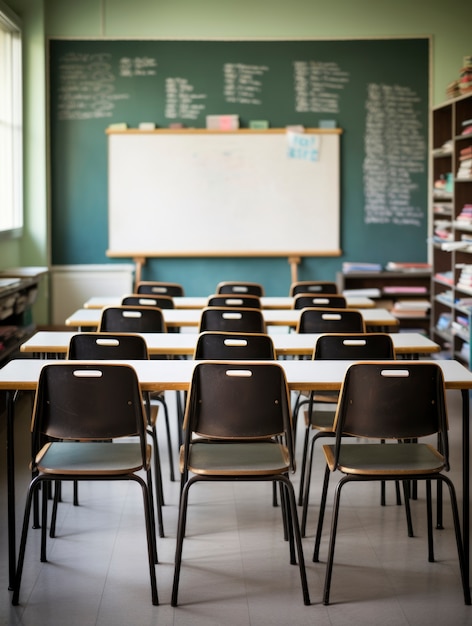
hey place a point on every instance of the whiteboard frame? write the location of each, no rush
(135, 227)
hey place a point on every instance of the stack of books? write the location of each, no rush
(467, 127)
(465, 216)
(411, 308)
(465, 78)
(394, 266)
(465, 163)
(352, 266)
(465, 278)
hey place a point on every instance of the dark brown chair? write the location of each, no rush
(120, 347)
(238, 428)
(161, 302)
(248, 302)
(232, 319)
(397, 401)
(326, 301)
(159, 288)
(240, 288)
(321, 320)
(234, 346)
(312, 287)
(78, 408)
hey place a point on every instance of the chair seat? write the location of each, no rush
(70, 458)
(321, 420)
(385, 459)
(255, 458)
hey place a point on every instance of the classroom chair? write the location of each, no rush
(238, 428)
(232, 319)
(161, 302)
(240, 288)
(105, 402)
(312, 287)
(248, 302)
(327, 301)
(119, 347)
(396, 401)
(159, 288)
(234, 346)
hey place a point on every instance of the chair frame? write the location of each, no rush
(261, 423)
(406, 415)
(54, 401)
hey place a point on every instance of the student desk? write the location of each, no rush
(198, 302)
(183, 344)
(380, 319)
(303, 375)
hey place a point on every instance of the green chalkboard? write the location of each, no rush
(375, 90)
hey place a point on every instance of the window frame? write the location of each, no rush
(11, 125)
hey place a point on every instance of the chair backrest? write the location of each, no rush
(326, 301)
(103, 346)
(393, 400)
(158, 288)
(249, 302)
(317, 320)
(161, 302)
(234, 346)
(132, 319)
(312, 287)
(77, 401)
(348, 347)
(229, 400)
(232, 320)
(240, 288)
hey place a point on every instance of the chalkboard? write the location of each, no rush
(376, 90)
(224, 193)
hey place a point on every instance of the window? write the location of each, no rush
(11, 126)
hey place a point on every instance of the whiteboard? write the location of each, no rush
(207, 193)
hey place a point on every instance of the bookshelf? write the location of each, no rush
(396, 291)
(451, 254)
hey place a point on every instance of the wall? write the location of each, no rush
(217, 19)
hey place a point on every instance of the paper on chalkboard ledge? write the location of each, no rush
(222, 122)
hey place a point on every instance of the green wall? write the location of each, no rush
(209, 19)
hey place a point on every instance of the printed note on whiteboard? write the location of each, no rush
(303, 147)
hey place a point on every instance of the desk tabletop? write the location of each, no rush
(168, 375)
(191, 317)
(183, 344)
(198, 302)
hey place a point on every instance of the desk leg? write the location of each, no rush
(466, 481)
(11, 395)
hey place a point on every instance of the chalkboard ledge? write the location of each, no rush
(246, 131)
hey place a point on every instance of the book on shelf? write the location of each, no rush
(367, 292)
(444, 321)
(353, 266)
(404, 289)
(394, 266)
(445, 277)
(411, 308)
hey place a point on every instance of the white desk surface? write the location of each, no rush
(198, 302)
(304, 375)
(183, 344)
(191, 317)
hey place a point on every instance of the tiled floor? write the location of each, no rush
(235, 563)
